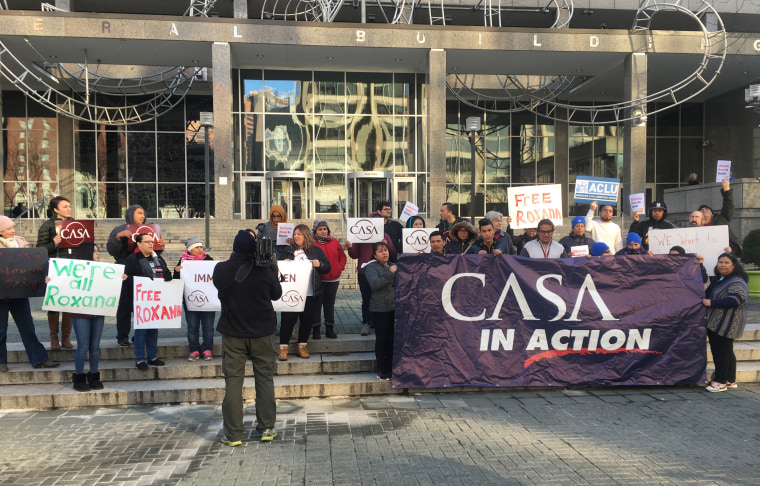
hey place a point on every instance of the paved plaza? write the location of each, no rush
(673, 435)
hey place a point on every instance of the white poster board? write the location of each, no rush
(579, 251)
(530, 204)
(157, 304)
(417, 240)
(410, 209)
(284, 231)
(708, 241)
(364, 230)
(638, 203)
(83, 287)
(724, 170)
(200, 293)
(294, 280)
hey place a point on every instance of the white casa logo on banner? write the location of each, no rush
(157, 303)
(417, 240)
(83, 287)
(365, 230)
(200, 293)
(295, 286)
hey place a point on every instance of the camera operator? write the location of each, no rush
(247, 325)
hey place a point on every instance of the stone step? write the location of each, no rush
(746, 371)
(181, 369)
(170, 348)
(744, 351)
(207, 390)
(751, 333)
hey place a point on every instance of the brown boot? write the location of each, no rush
(302, 351)
(66, 330)
(283, 356)
(53, 325)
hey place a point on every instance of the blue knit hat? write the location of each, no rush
(578, 220)
(632, 238)
(599, 248)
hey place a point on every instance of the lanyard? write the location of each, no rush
(547, 250)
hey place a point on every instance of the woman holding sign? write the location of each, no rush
(197, 320)
(330, 281)
(381, 276)
(303, 249)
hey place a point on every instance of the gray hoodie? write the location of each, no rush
(119, 247)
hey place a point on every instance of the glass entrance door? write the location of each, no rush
(365, 193)
(253, 198)
(291, 194)
(405, 189)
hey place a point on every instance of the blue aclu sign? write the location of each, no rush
(599, 189)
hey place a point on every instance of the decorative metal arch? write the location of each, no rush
(164, 89)
(517, 94)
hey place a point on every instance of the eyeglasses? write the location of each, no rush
(147, 242)
(546, 232)
(276, 216)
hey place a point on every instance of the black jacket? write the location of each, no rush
(45, 240)
(721, 219)
(572, 240)
(642, 228)
(396, 232)
(316, 253)
(138, 265)
(120, 248)
(247, 310)
(462, 247)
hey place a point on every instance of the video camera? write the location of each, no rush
(266, 254)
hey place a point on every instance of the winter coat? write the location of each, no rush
(642, 228)
(724, 218)
(138, 265)
(333, 250)
(503, 244)
(520, 241)
(534, 249)
(247, 310)
(45, 237)
(120, 248)
(316, 253)
(445, 228)
(396, 232)
(362, 252)
(572, 240)
(383, 284)
(179, 263)
(727, 314)
(462, 247)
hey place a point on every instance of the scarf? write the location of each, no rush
(8, 243)
(323, 240)
(188, 256)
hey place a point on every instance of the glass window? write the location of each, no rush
(651, 146)
(287, 142)
(145, 196)
(403, 100)
(14, 160)
(403, 148)
(420, 135)
(496, 142)
(195, 148)
(85, 162)
(171, 201)
(112, 200)
(667, 122)
(252, 90)
(194, 106)
(691, 119)
(110, 143)
(196, 197)
(329, 189)
(141, 156)
(452, 156)
(288, 91)
(497, 200)
(86, 200)
(691, 159)
(171, 157)
(369, 93)
(253, 142)
(330, 145)
(666, 169)
(329, 93)
(172, 120)
(369, 146)
(523, 157)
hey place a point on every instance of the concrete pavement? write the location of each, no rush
(651, 435)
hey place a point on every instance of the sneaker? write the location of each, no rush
(268, 435)
(231, 443)
(156, 362)
(716, 387)
(732, 385)
(365, 329)
(142, 366)
(207, 355)
(194, 356)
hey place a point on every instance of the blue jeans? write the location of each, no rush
(88, 332)
(22, 316)
(146, 338)
(197, 321)
(366, 291)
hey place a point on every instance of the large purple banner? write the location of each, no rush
(485, 320)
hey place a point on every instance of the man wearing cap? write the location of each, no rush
(577, 236)
(247, 325)
(604, 229)
(658, 211)
(724, 217)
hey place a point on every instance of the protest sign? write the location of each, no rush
(22, 272)
(724, 170)
(409, 210)
(364, 230)
(294, 280)
(74, 232)
(151, 229)
(284, 231)
(708, 241)
(600, 189)
(157, 303)
(200, 292)
(83, 287)
(474, 320)
(417, 240)
(579, 251)
(530, 204)
(638, 203)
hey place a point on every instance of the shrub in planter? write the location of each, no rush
(751, 248)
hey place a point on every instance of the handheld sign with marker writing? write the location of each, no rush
(530, 204)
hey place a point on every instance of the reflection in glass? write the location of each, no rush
(369, 93)
(86, 200)
(141, 156)
(369, 145)
(666, 163)
(287, 91)
(330, 93)
(172, 202)
(195, 147)
(114, 199)
(403, 147)
(196, 200)
(253, 146)
(145, 196)
(111, 152)
(251, 90)
(14, 158)
(497, 151)
(402, 93)
(329, 188)
(287, 142)
(496, 199)
(330, 145)
(253, 200)
(171, 157)
(85, 161)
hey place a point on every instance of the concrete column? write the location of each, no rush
(241, 9)
(562, 157)
(66, 5)
(66, 172)
(436, 128)
(222, 141)
(635, 137)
